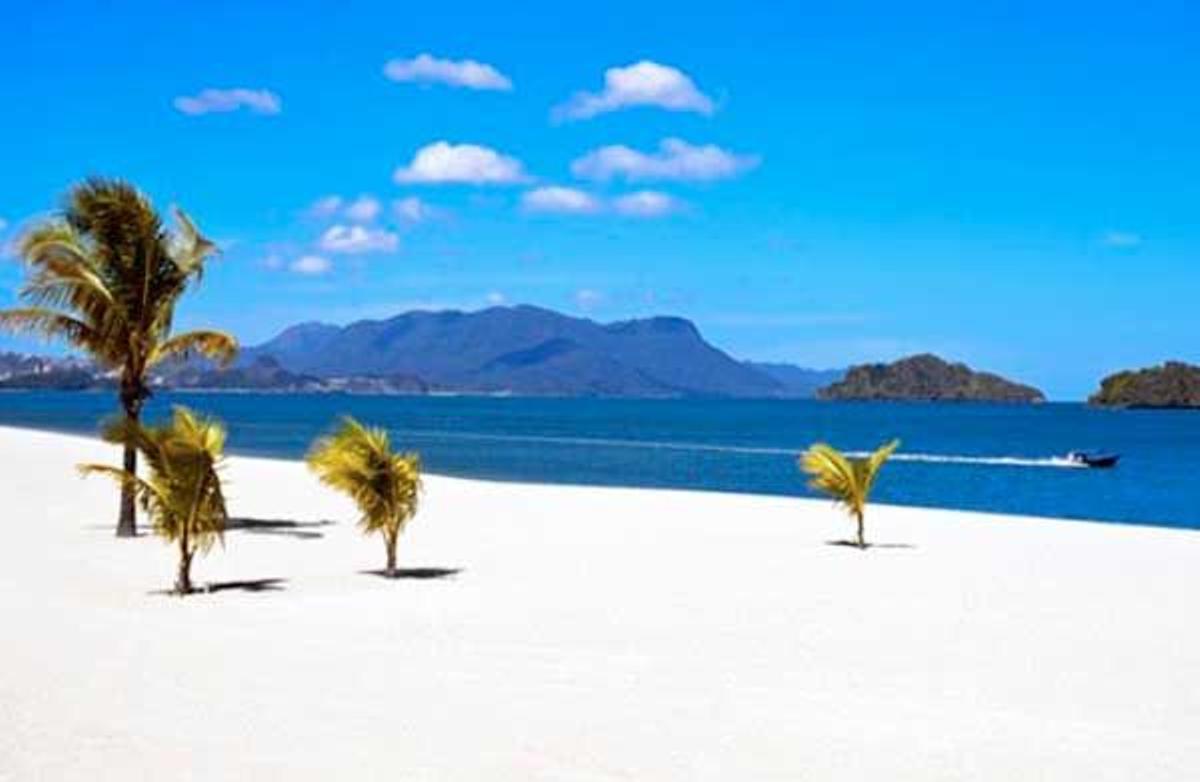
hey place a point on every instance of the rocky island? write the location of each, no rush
(927, 378)
(1174, 384)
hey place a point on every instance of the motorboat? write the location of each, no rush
(1094, 458)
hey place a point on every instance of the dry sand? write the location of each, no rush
(588, 634)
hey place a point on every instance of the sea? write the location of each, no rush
(984, 457)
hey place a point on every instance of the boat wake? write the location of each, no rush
(997, 461)
(599, 442)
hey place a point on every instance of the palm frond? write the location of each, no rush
(191, 248)
(216, 345)
(359, 462)
(106, 276)
(183, 493)
(48, 324)
(847, 481)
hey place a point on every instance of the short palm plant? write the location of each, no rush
(359, 462)
(182, 494)
(847, 480)
(105, 277)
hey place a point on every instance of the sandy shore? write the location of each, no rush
(588, 634)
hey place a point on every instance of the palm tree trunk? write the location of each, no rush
(131, 403)
(390, 542)
(862, 543)
(183, 579)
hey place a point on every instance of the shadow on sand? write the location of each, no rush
(302, 530)
(423, 573)
(254, 585)
(852, 544)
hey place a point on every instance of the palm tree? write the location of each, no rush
(105, 277)
(182, 495)
(359, 461)
(847, 480)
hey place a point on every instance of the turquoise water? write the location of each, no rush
(970, 456)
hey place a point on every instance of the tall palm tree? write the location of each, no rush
(359, 461)
(182, 494)
(105, 277)
(847, 480)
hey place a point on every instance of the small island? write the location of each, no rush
(927, 378)
(1171, 385)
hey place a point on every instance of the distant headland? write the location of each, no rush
(1171, 385)
(927, 378)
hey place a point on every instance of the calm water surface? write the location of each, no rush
(970, 456)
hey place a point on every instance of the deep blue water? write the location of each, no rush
(971, 456)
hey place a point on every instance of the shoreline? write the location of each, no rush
(250, 454)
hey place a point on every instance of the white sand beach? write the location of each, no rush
(587, 634)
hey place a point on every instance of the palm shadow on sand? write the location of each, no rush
(852, 544)
(254, 585)
(420, 573)
(301, 530)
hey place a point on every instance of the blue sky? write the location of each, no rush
(1010, 185)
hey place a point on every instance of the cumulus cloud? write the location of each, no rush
(328, 206)
(675, 159)
(1122, 239)
(213, 100)
(442, 162)
(363, 209)
(355, 239)
(647, 203)
(643, 83)
(310, 265)
(427, 69)
(496, 298)
(561, 200)
(412, 209)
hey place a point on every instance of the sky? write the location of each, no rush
(1013, 185)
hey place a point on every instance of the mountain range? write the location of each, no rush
(530, 350)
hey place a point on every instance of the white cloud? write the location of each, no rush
(675, 159)
(427, 69)
(647, 203)
(560, 200)
(354, 239)
(412, 209)
(310, 265)
(327, 206)
(1122, 239)
(496, 298)
(588, 299)
(3, 224)
(217, 101)
(363, 209)
(443, 162)
(643, 83)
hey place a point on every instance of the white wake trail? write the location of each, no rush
(926, 458)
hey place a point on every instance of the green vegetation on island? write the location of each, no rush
(927, 378)
(1173, 384)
